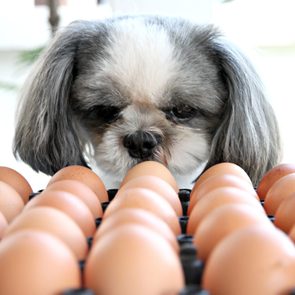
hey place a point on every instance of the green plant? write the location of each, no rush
(27, 57)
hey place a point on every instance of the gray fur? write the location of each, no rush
(233, 120)
(248, 134)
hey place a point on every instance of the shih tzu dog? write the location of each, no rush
(113, 93)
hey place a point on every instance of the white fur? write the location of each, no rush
(141, 59)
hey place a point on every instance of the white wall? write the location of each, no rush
(23, 25)
(249, 22)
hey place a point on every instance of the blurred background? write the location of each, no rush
(263, 29)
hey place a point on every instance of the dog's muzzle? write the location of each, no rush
(141, 144)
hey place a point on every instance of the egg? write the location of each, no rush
(252, 260)
(52, 221)
(157, 185)
(133, 259)
(151, 168)
(85, 175)
(148, 200)
(222, 222)
(220, 169)
(11, 203)
(137, 216)
(17, 181)
(217, 198)
(217, 181)
(284, 216)
(69, 204)
(272, 176)
(34, 263)
(3, 224)
(80, 190)
(281, 189)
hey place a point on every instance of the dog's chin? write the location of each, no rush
(112, 170)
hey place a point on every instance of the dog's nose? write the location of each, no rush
(140, 144)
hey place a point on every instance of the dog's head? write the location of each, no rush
(144, 88)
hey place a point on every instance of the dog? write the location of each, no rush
(113, 93)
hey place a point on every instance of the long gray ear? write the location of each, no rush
(45, 135)
(248, 135)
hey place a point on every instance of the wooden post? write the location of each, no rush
(53, 15)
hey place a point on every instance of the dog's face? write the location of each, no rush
(148, 94)
(144, 88)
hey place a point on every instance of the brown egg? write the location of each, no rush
(151, 168)
(85, 175)
(34, 263)
(148, 200)
(280, 190)
(11, 203)
(17, 181)
(222, 222)
(252, 260)
(217, 198)
(69, 204)
(284, 216)
(157, 185)
(133, 259)
(3, 225)
(80, 190)
(52, 221)
(220, 169)
(272, 176)
(217, 181)
(137, 216)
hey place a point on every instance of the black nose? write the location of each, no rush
(140, 144)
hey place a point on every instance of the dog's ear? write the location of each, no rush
(248, 134)
(46, 137)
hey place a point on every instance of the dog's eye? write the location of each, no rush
(183, 112)
(105, 113)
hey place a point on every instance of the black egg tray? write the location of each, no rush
(191, 265)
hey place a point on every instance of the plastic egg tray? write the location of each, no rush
(192, 267)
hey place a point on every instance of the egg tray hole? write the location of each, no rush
(80, 291)
(187, 290)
